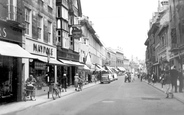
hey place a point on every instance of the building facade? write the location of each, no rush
(119, 58)
(67, 19)
(111, 57)
(11, 51)
(40, 40)
(91, 47)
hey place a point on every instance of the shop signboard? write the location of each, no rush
(10, 32)
(76, 33)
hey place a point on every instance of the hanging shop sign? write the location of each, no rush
(76, 32)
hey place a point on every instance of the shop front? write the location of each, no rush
(44, 67)
(71, 61)
(11, 54)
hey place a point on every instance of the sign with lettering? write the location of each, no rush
(76, 33)
(40, 49)
(10, 32)
(68, 55)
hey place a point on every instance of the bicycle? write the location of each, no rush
(56, 91)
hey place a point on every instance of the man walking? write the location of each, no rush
(174, 77)
(180, 80)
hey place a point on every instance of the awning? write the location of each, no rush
(121, 68)
(68, 62)
(85, 67)
(51, 60)
(100, 68)
(13, 50)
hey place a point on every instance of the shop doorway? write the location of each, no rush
(8, 79)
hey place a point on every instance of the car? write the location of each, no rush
(115, 76)
(106, 77)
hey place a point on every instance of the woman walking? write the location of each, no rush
(76, 77)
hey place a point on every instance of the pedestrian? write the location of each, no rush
(30, 84)
(180, 75)
(149, 78)
(80, 82)
(168, 82)
(162, 78)
(174, 77)
(76, 80)
(154, 78)
(64, 83)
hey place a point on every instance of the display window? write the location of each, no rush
(40, 70)
(8, 78)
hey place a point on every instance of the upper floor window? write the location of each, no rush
(76, 21)
(50, 3)
(27, 20)
(59, 11)
(59, 35)
(49, 32)
(12, 9)
(65, 25)
(65, 40)
(40, 26)
(64, 13)
(75, 3)
(65, 3)
(58, 23)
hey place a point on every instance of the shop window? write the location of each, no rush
(8, 82)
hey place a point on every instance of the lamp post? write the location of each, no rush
(47, 72)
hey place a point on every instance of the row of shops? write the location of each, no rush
(19, 59)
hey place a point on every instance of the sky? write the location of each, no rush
(121, 23)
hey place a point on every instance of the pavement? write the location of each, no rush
(178, 96)
(19, 106)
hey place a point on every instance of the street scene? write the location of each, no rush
(116, 98)
(91, 57)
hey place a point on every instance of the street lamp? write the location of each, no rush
(47, 72)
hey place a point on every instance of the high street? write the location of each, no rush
(116, 98)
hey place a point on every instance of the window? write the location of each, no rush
(59, 14)
(64, 13)
(64, 25)
(39, 27)
(76, 20)
(27, 20)
(12, 9)
(65, 3)
(49, 32)
(65, 39)
(59, 35)
(58, 23)
(75, 3)
(50, 3)
(85, 41)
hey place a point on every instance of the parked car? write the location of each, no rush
(106, 77)
(115, 76)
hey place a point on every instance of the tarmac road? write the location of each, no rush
(116, 98)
